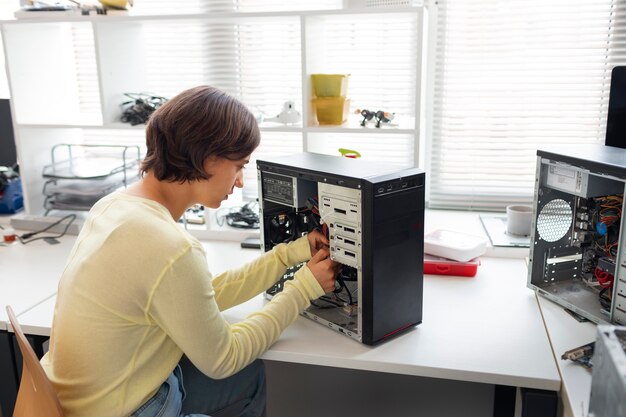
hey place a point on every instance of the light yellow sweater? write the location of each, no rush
(137, 292)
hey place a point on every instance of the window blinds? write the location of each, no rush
(511, 76)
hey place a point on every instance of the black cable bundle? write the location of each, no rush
(244, 217)
(140, 107)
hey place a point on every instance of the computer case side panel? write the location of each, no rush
(608, 380)
(393, 260)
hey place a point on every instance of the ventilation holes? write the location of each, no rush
(554, 220)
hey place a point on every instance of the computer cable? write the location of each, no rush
(139, 108)
(605, 300)
(342, 287)
(26, 237)
(331, 303)
(243, 217)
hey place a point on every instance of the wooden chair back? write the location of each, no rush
(36, 396)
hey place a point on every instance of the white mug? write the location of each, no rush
(519, 219)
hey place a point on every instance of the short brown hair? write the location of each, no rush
(194, 125)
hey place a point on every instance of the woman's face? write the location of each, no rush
(225, 174)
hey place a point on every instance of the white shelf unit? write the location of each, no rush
(57, 98)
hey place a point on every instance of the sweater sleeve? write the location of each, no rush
(239, 285)
(184, 305)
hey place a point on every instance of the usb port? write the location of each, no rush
(349, 242)
(337, 210)
(349, 229)
(350, 254)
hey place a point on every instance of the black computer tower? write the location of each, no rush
(373, 215)
(577, 250)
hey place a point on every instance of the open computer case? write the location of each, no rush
(373, 215)
(578, 255)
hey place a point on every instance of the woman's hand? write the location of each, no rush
(324, 269)
(317, 241)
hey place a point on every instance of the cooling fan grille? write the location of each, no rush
(554, 220)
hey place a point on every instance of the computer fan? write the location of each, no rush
(281, 229)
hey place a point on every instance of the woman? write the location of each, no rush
(136, 293)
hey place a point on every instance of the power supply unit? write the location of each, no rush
(373, 215)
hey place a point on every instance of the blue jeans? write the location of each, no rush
(242, 394)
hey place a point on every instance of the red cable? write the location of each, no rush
(604, 278)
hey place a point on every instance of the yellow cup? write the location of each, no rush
(330, 85)
(331, 110)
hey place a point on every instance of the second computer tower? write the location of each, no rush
(577, 245)
(373, 215)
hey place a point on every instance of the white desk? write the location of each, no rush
(470, 332)
(486, 329)
(30, 273)
(566, 333)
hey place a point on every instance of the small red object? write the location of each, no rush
(435, 265)
(8, 235)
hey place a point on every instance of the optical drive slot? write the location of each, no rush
(345, 256)
(347, 231)
(339, 209)
(347, 242)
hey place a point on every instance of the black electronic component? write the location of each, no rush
(251, 243)
(373, 216)
(607, 265)
(582, 354)
(616, 117)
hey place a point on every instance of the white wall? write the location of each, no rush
(7, 7)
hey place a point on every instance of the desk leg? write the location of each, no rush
(504, 401)
(539, 403)
(8, 374)
(535, 402)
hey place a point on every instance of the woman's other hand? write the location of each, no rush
(317, 241)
